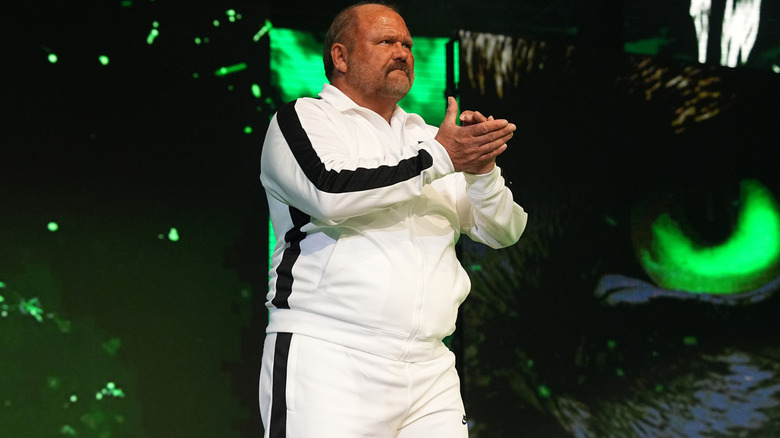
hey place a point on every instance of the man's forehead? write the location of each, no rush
(378, 15)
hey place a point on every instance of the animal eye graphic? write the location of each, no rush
(745, 265)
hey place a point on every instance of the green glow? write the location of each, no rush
(248, 130)
(103, 59)
(690, 340)
(32, 307)
(224, 71)
(544, 391)
(53, 58)
(749, 259)
(232, 15)
(73, 398)
(256, 91)
(271, 243)
(215, 23)
(297, 71)
(198, 40)
(611, 344)
(173, 235)
(112, 346)
(52, 226)
(456, 61)
(152, 36)
(68, 430)
(263, 30)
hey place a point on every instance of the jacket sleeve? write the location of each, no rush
(487, 211)
(306, 164)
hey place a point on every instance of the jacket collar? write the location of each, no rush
(343, 103)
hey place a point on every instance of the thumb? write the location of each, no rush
(451, 115)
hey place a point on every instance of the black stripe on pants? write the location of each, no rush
(277, 426)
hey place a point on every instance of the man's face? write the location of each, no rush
(380, 61)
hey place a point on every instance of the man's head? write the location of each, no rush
(367, 53)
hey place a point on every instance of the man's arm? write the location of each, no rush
(306, 164)
(487, 209)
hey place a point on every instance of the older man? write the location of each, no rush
(367, 203)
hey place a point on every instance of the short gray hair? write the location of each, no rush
(342, 30)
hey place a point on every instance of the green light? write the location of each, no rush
(173, 235)
(52, 226)
(749, 259)
(152, 36)
(248, 130)
(256, 91)
(53, 58)
(690, 340)
(68, 430)
(32, 307)
(112, 346)
(263, 30)
(73, 398)
(224, 71)
(232, 15)
(296, 70)
(544, 391)
(216, 23)
(271, 243)
(103, 59)
(198, 40)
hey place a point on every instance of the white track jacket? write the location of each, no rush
(366, 216)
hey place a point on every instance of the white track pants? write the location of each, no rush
(310, 388)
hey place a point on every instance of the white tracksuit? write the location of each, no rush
(366, 217)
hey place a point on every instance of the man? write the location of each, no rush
(367, 203)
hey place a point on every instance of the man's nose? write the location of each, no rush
(401, 52)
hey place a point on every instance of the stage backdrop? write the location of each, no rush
(641, 300)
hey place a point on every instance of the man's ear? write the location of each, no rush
(339, 54)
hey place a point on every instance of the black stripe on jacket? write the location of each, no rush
(332, 181)
(284, 277)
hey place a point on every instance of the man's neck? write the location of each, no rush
(385, 107)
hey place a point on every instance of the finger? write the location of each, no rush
(493, 139)
(467, 117)
(489, 126)
(478, 117)
(451, 114)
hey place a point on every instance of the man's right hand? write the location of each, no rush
(473, 148)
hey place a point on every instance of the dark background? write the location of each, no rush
(117, 155)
